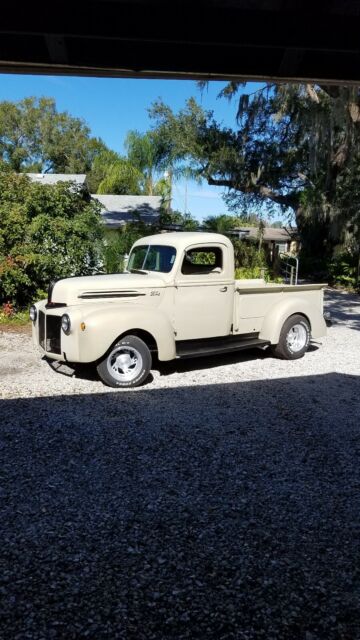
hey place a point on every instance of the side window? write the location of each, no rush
(202, 260)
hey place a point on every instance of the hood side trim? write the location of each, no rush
(110, 294)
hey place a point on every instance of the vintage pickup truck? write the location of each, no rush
(178, 298)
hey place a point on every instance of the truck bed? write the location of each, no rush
(256, 299)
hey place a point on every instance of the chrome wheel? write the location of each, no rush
(296, 338)
(124, 363)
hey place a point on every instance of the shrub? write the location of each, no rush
(342, 269)
(248, 256)
(118, 243)
(46, 232)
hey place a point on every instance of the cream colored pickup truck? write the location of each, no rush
(177, 299)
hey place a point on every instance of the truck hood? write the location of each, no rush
(123, 286)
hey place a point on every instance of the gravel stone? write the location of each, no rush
(218, 501)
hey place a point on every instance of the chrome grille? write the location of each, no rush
(50, 332)
(53, 333)
(42, 329)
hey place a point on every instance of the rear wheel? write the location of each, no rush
(294, 338)
(127, 364)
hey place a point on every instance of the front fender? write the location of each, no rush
(103, 326)
(275, 319)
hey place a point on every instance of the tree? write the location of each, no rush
(102, 163)
(122, 178)
(145, 153)
(34, 136)
(183, 220)
(296, 147)
(222, 223)
(46, 232)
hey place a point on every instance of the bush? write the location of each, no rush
(248, 273)
(118, 243)
(248, 256)
(342, 270)
(46, 232)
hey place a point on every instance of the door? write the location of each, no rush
(203, 295)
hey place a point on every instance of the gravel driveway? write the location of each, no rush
(219, 501)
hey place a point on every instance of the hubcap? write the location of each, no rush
(296, 338)
(124, 363)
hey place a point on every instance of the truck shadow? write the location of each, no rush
(88, 371)
(212, 362)
(187, 512)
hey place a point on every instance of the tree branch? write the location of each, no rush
(289, 200)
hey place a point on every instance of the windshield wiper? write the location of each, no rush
(144, 273)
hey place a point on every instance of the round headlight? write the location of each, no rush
(65, 324)
(33, 313)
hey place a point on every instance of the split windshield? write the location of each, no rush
(152, 258)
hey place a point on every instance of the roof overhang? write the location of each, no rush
(215, 39)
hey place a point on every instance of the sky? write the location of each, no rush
(113, 106)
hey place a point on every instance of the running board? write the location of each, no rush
(195, 348)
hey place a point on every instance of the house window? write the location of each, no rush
(281, 246)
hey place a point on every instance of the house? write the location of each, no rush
(274, 240)
(117, 211)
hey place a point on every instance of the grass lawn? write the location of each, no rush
(16, 322)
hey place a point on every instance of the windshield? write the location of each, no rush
(152, 257)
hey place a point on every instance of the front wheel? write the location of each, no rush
(294, 338)
(127, 364)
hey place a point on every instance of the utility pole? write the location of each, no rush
(168, 177)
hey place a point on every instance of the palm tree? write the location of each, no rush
(221, 224)
(143, 152)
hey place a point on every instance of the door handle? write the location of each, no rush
(223, 289)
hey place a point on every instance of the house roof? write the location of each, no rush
(117, 211)
(53, 178)
(271, 234)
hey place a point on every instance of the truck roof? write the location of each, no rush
(182, 239)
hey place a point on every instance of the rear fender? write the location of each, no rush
(274, 320)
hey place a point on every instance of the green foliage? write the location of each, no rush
(122, 178)
(144, 152)
(35, 137)
(118, 244)
(15, 317)
(248, 256)
(248, 273)
(46, 232)
(103, 161)
(343, 270)
(295, 147)
(202, 257)
(221, 224)
(185, 220)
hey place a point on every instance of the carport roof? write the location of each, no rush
(256, 39)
